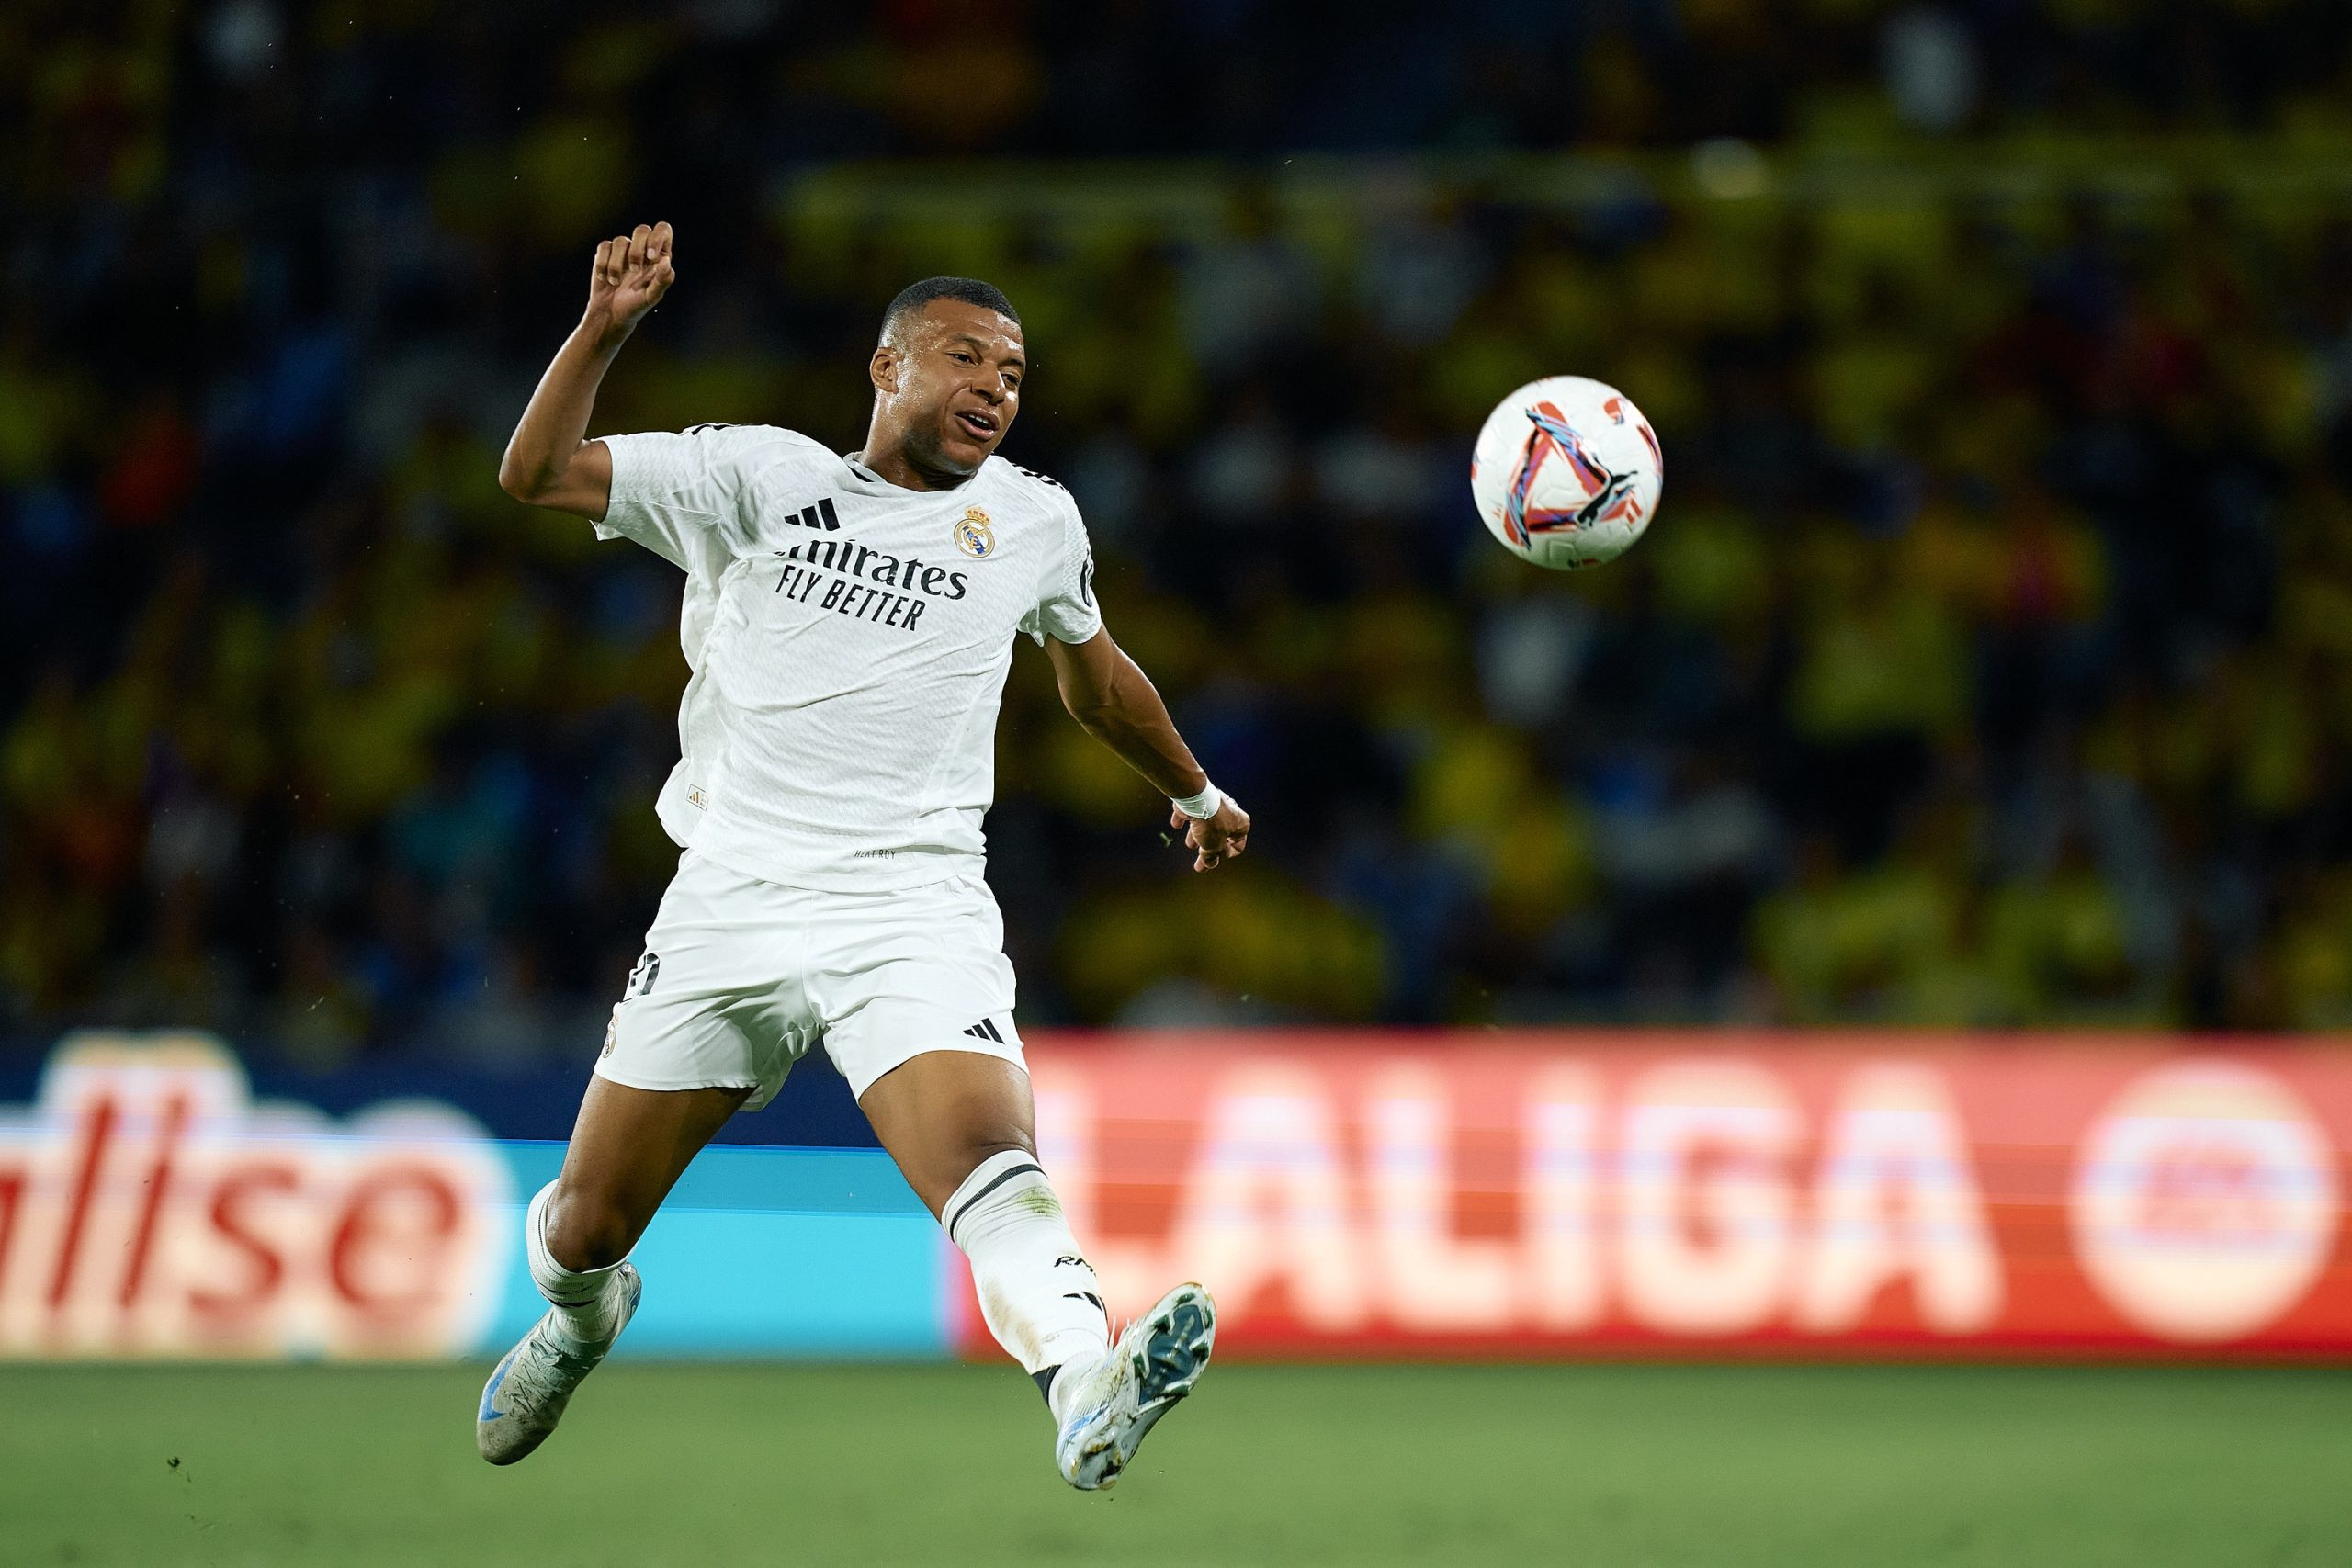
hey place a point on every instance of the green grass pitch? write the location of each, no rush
(694, 1466)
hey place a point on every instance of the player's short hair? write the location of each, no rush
(970, 290)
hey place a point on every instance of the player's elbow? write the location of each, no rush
(521, 481)
(1091, 679)
(1095, 710)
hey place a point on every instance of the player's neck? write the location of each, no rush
(888, 458)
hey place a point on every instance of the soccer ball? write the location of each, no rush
(1567, 472)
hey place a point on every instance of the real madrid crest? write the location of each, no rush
(973, 535)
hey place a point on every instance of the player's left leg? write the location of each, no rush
(961, 1125)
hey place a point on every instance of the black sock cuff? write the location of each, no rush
(1045, 1381)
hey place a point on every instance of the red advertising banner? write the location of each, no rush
(1551, 1193)
(151, 1207)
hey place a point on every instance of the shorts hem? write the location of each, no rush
(761, 1094)
(1007, 1052)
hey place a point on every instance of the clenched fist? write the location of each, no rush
(631, 274)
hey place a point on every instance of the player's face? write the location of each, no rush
(958, 384)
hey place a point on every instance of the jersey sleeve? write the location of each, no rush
(1066, 610)
(683, 495)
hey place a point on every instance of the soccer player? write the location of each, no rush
(849, 622)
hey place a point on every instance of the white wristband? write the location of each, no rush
(1202, 806)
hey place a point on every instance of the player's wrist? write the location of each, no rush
(1202, 806)
(605, 328)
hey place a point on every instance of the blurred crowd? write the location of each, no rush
(1990, 664)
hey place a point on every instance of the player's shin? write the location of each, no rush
(583, 1306)
(1038, 1295)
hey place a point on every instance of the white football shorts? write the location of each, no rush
(741, 977)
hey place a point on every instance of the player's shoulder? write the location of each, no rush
(1045, 494)
(772, 442)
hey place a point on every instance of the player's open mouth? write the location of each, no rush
(981, 426)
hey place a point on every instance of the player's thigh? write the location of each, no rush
(940, 1113)
(628, 1148)
(919, 1022)
(710, 1022)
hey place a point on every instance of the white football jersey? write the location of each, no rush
(849, 641)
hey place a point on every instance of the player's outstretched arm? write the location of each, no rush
(1116, 701)
(548, 462)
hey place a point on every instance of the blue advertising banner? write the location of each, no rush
(765, 1252)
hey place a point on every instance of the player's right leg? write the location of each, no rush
(712, 1021)
(627, 1150)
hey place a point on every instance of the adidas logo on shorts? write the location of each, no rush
(985, 1029)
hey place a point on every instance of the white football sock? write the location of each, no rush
(577, 1295)
(1038, 1295)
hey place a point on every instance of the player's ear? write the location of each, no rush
(883, 369)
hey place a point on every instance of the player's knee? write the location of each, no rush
(1005, 1141)
(952, 1163)
(585, 1230)
(978, 1148)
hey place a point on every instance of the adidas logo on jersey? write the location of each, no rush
(820, 516)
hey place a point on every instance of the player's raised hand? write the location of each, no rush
(632, 273)
(1214, 840)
